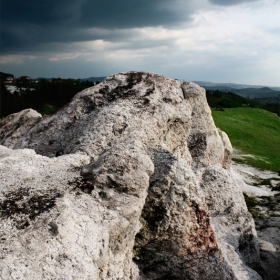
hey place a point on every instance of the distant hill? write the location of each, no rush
(94, 79)
(257, 92)
(246, 91)
(42, 78)
(220, 88)
(217, 98)
(230, 86)
(90, 79)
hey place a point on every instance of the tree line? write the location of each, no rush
(216, 98)
(45, 96)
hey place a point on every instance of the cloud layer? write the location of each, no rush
(230, 2)
(25, 24)
(211, 40)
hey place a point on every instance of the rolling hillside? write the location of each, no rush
(253, 131)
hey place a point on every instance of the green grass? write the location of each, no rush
(252, 131)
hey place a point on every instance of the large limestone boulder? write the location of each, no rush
(131, 180)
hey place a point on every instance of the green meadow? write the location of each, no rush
(255, 132)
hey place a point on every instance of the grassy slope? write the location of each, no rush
(253, 131)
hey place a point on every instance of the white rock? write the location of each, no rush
(131, 180)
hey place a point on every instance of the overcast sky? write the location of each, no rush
(207, 40)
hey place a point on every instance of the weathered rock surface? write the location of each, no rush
(130, 180)
(262, 189)
(14, 126)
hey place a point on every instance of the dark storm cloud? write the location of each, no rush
(230, 2)
(26, 25)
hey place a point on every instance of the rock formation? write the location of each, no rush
(130, 180)
(262, 191)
